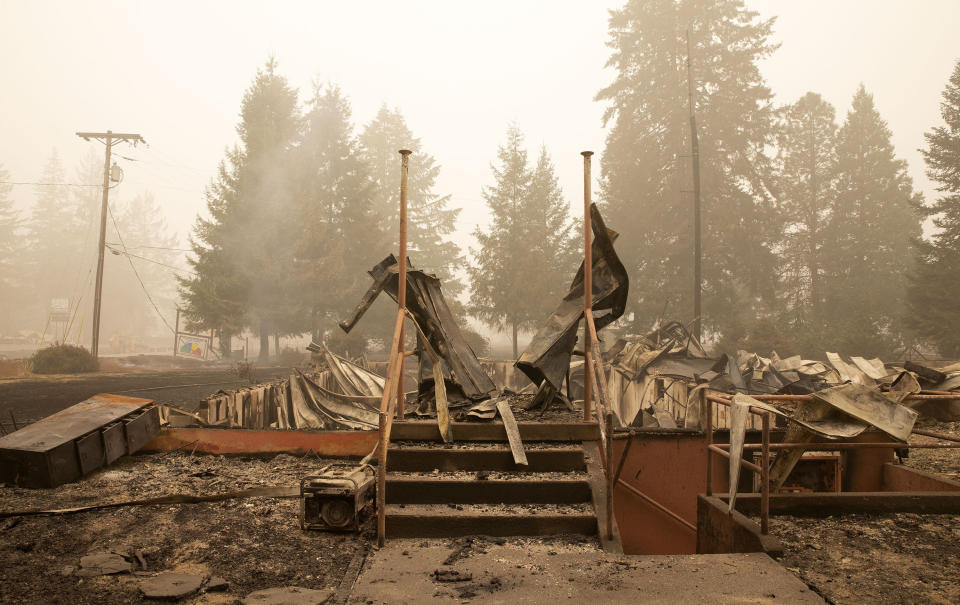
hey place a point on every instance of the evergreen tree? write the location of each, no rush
(523, 263)
(867, 247)
(805, 169)
(932, 300)
(53, 241)
(11, 257)
(145, 256)
(242, 251)
(430, 221)
(214, 295)
(645, 178)
(342, 236)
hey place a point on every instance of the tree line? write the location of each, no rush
(303, 206)
(812, 229)
(49, 252)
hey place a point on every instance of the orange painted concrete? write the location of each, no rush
(242, 441)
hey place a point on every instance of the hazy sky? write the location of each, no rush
(175, 72)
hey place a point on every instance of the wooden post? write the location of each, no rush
(587, 290)
(176, 331)
(402, 283)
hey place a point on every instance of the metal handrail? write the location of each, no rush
(766, 447)
(763, 468)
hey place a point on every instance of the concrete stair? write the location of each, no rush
(473, 487)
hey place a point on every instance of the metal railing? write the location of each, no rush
(765, 446)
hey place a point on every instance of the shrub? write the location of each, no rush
(63, 359)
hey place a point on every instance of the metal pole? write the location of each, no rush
(587, 290)
(697, 251)
(402, 284)
(765, 477)
(95, 337)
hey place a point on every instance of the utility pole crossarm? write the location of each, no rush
(119, 136)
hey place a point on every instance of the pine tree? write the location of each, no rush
(868, 242)
(805, 174)
(523, 263)
(243, 252)
(52, 236)
(645, 177)
(146, 256)
(11, 256)
(342, 236)
(430, 221)
(935, 286)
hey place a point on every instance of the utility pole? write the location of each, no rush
(109, 139)
(697, 251)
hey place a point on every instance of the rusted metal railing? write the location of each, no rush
(765, 447)
(763, 469)
(393, 393)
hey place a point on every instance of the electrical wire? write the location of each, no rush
(137, 274)
(46, 184)
(149, 260)
(153, 248)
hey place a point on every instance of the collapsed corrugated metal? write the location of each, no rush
(464, 378)
(654, 377)
(546, 359)
(340, 395)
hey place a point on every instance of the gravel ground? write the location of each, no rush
(889, 558)
(253, 543)
(946, 462)
(892, 558)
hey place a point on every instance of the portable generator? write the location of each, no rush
(335, 498)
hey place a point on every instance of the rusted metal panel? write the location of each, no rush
(90, 452)
(114, 442)
(243, 441)
(897, 478)
(64, 446)
(141, 429)
(651, 468)
(721, 532)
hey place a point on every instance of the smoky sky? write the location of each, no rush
(460, 72)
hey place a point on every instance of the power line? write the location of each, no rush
(46, 184)
(156, 262)
(132, 266)
(155, 248)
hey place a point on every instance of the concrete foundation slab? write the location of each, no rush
(554, 571)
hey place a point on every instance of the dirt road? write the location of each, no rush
(31, 399)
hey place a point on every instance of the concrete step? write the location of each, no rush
(444, 520)
(426, 459)
(438, 489)
(426, 430)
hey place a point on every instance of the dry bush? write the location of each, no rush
(63, 359)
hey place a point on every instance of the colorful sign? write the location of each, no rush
(191, 345)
